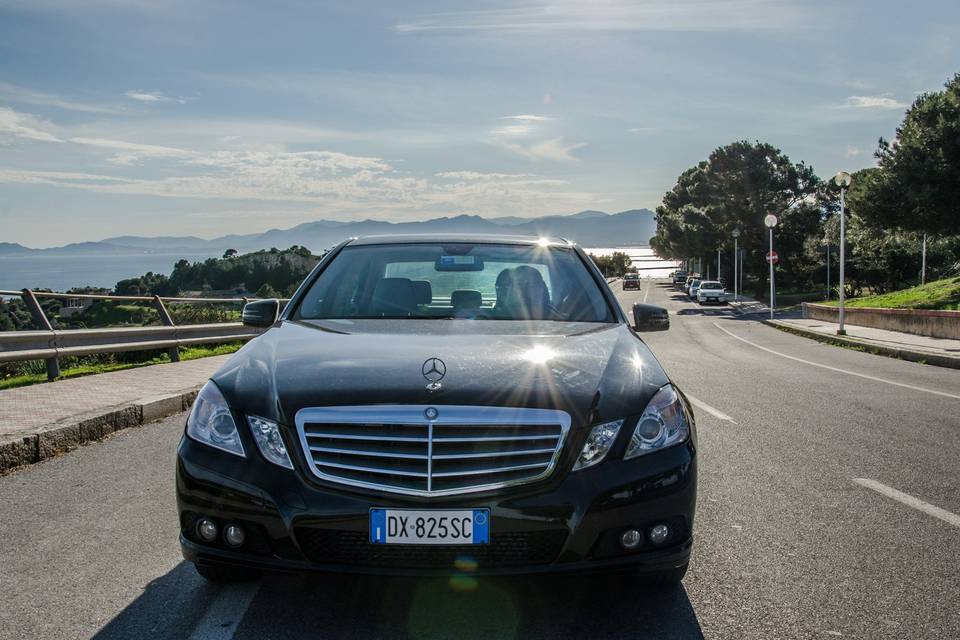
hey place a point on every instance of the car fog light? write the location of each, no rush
(660, 533)
(207, 530)
(630, 539)
(234, 535)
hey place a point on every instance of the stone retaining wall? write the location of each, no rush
(921, 322)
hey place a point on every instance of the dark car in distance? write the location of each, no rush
(442, 405)
(631, 281)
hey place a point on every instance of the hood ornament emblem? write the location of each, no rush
(433, 370)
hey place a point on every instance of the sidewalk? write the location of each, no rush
(906, 346)
(895, 344)
(42, 420)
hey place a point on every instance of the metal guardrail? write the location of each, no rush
(50, 344)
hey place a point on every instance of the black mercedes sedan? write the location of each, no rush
(442, 405)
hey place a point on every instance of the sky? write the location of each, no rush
(168, 117)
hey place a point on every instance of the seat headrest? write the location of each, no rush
(422, 291)
(466, 299)
(393, 297)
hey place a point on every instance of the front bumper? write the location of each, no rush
(570, 522)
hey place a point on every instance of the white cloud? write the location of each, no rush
(26, 126)
(512, 130)
(554, 150)
(131, 153)
(853, 152)
(476, 175)
(152, 97)
(522, 125)
(642, 130)
(330, 181)
(874, 102)
(14, 93)
(526, 118)
(618, 15)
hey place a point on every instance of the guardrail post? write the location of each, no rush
(167, 321)
(53, 364)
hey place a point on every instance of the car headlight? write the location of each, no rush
(598, 443)
(211, 422)
(663, 424)
(267, 436)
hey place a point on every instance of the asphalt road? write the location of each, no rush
(829, 494)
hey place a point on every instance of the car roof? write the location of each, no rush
(455, 238)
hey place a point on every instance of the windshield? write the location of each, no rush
(711, 285)
(471, 281)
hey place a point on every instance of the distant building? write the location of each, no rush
(74, 306)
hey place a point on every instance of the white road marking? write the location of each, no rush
(647, 292)
(838, 370)
(910, 501)
(224, 614)
(716, 413)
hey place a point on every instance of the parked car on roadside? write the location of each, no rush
(711, 292)
(504, 416)
(692, 290)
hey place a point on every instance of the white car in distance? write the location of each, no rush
(711, 292)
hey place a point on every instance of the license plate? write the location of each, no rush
(410, 526)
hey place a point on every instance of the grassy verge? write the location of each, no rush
(186, 353)
(940, 294)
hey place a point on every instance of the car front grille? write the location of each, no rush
(528, 548)
(431, 450)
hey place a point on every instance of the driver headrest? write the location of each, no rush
(466, 299)
(393, 297)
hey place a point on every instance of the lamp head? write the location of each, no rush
(770, 221)
(842, 179)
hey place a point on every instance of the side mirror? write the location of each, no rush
(649, 317)
(261, 313)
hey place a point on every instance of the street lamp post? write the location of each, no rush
(842, 180)
(771, 222)
(736, 253)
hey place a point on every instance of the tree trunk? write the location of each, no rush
(762, 290)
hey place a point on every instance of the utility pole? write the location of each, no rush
(842, 180)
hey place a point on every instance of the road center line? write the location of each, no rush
(647, 292)
(224, 614)
(910, 501)
(838, 370)
(716, 413)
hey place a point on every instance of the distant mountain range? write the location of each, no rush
(587, 228)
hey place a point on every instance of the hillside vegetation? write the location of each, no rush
(941, 294)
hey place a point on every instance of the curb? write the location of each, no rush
(934, 359)
(17, 450)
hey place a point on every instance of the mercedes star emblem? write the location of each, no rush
(434, 369)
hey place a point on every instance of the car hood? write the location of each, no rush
(592, 371)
